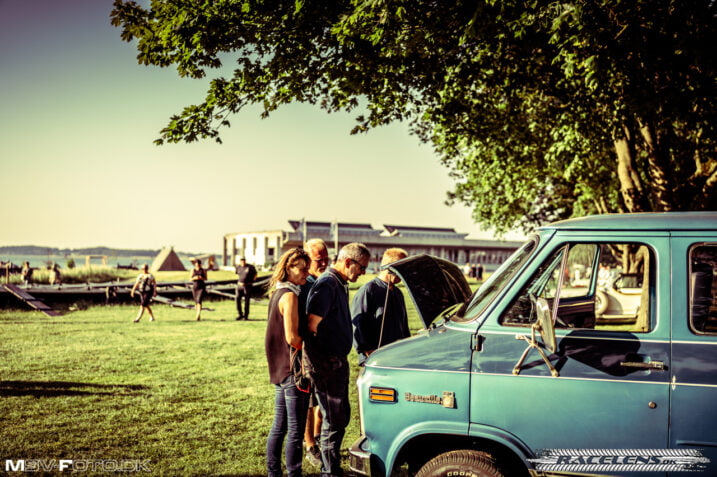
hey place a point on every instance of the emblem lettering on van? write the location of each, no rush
(448, 399)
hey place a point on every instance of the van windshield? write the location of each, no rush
(496, 282)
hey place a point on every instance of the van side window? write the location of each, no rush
(602, 286)
(703, 289)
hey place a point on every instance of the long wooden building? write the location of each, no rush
(264, 248)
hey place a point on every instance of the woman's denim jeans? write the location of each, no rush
(290, 409)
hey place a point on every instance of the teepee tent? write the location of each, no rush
(167, 260)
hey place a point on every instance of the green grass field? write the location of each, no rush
(186, 397)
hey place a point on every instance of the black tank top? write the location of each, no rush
(202, 274)
(277, 349)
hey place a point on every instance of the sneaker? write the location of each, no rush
(151, 319)
(313, 455)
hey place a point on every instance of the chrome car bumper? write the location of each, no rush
(359, 457)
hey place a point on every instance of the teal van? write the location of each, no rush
(592, 350)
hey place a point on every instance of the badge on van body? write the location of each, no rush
(448, 400)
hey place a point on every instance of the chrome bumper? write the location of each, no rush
(360, 458)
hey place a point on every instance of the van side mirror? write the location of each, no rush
(544, 325)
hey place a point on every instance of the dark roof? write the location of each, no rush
(295, 224)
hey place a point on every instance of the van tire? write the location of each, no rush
(461, 463)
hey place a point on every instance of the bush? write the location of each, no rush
(78, 275)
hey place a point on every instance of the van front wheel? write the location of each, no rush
(461, 463)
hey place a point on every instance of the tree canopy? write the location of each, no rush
(540, 109)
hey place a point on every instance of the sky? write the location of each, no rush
(78, 167)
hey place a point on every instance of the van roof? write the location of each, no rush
(663, 221)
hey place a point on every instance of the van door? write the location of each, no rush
(612, 387)
(693, 402)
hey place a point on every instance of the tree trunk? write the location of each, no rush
(707, 195)
(660, 185)
(630, 184)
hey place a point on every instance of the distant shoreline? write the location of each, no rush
(40, 250)
(115, 257)
(42, 261)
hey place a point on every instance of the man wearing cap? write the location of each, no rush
(246, 274)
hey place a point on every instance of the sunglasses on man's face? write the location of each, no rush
(362, 267)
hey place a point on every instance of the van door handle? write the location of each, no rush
(653, 365)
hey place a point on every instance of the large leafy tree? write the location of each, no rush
(540, 109)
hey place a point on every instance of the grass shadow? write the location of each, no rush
(64, 388)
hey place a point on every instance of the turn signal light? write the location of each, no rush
(382, 394)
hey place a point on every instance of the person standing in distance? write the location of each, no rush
(246, 273)
(319, 255)
(199, 287)
(327, 346)
(147, 286)
(378, 310)
(26, 274)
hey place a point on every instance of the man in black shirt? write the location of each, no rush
(246, 275)
(327, 345)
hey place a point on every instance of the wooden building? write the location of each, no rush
(263, 248)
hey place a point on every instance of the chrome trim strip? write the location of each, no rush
(713, 343)
(571, 378)
(694, 385)
(606, 338)
(663, 383)
(394, 368)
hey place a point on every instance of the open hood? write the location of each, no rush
(433, 283)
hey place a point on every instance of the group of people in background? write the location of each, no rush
(146, 286)
(473, 270)
(54, 275)
(311, 330)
